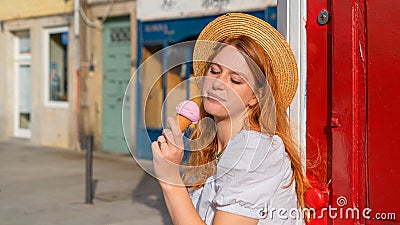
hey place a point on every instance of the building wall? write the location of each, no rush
(2, 90)
(6, 93)
(91, 55)
(24, 9)
(55, 126)
(52, 126)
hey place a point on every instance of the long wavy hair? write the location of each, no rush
(268, 116)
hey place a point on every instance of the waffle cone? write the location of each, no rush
(182, 122)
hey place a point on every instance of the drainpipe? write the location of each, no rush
(77, 70)
(76, 18)
(89, 138)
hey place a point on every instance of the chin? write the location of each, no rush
(215, 109)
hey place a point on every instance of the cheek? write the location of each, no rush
(241, 96)
(246, 98)
(207, 85)
(246, 94)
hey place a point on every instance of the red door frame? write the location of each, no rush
(318, 92)
(349, 99)
(336, 98)
(336, 103)
(318, 136)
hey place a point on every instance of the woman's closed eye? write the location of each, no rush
(214, 71)
(235, 81)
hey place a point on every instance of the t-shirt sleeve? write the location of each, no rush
(248, 186)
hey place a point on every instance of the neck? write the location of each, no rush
(226, 129)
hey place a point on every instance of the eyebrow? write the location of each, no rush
(242, 75)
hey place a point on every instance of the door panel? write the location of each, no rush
(365, 97)
(383, 108)
(24, 100)
(116, 75)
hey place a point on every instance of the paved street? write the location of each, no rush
(46, 186)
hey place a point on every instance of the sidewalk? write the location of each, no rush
(46, 186)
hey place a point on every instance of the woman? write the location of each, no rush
(250, 172)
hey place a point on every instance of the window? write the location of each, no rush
(23, 84)
(24, 43)
(56, 67)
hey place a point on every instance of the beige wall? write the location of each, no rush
(49, 125)
(2, 89)
(6, 84)
(91, 54)
(16, 9)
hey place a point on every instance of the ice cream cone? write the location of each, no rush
(188, 113)
(182, 122)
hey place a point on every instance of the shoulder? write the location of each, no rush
(252, 140)
(249, 173)
(252, 151)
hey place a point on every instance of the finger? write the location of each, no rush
(161, 138)
(177, 134)
(163, 147)
(155, 148)
(174, 126)
(160, 152)
(171, 139)
(167, 134)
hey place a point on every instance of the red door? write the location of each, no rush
(353, 97)
(383, 111)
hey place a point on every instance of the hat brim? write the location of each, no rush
(236, 24)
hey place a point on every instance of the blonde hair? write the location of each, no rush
(268, 116)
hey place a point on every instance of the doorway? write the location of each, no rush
(116, 75)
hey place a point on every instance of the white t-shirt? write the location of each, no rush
(250, 179)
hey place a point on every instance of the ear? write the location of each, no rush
(253, 102)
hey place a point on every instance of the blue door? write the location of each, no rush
(161, 89)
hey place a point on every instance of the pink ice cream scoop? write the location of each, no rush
(187, 113)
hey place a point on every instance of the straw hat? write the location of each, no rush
(236, 24)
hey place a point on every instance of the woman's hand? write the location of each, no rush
(167, 155)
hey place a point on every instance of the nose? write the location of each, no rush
(219, 82)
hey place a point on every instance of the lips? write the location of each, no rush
(214, 97)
